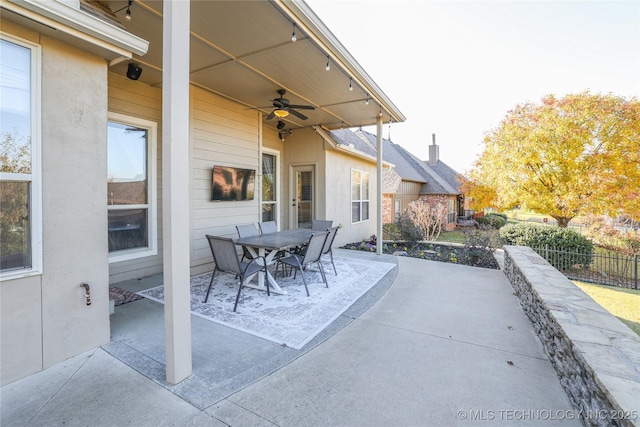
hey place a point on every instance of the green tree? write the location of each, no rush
(563, 158)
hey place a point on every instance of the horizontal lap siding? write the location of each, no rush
(142, 101)
(222, 133)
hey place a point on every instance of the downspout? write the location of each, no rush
(379, 184)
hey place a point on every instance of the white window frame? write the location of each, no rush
(35, 177)
(276, 203)
(152, 205)
(360, 200)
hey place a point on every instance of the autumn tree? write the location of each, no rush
(563, 157)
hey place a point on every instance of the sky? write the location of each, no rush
(456, 68)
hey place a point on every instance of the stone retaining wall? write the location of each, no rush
(596, 356)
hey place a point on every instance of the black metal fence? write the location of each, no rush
(601, 267)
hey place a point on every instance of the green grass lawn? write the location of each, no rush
(622, 303)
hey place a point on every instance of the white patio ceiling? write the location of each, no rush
(242, 50)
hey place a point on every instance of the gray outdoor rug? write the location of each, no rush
(292, 319)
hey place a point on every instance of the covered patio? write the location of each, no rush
(432, 342)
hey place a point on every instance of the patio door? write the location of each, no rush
(302, 204)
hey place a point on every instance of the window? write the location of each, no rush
(20, 168)
(451, 207)
(131, 194)
(359, 196)
(269, 187)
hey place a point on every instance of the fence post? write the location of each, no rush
(635, 271)
(546, 252)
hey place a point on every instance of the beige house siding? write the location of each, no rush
(45, 319)
(222, 133)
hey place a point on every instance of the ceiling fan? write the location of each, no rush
(282, 108)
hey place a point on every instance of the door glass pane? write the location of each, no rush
(127, 229)
(127, 165)
(15, 235)
(305, 198)
(268, 178)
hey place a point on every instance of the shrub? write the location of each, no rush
(575, 249)
(493, 220)
(501, 215)
(478, 248)
(408, 230)
(428, 219)
(391, 231)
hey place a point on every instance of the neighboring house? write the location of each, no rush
(111, 129)
(410, 179)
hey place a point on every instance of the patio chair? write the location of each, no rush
(268, 227)
(246, 230)
(321, 224)
(327, 249)
(316, 225)
(226, 259)
(311, 255)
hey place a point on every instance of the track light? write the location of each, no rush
(293, 35)
(350, 85)
(281, 125)
(127, 15)
(328, 67)
(282, 134)
(366, 101)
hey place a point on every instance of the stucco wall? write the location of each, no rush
(45, 318)
(338, 207)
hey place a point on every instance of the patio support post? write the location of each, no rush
(175, 191)
(379, 185)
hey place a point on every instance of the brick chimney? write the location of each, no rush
(434, 151)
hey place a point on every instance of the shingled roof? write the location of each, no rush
(437, 178)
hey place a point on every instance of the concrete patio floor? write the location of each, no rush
(432, 344)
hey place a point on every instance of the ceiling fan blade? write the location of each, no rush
(298, 115)
(279, 104)
(270, 116)
(302, 107)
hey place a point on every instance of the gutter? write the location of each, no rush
(65, 17)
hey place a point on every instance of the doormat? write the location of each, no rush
(122, 296)
(292, 319)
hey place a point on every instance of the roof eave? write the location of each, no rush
(71, 20)
(301, 13)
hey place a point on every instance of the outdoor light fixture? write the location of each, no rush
(127, 15)
(134, 71)
(293, 35)
(366, 101)
(281, 113)
(282, 134)
(328, 67)
(281, 125)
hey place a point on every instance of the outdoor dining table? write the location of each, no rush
(273, 242)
